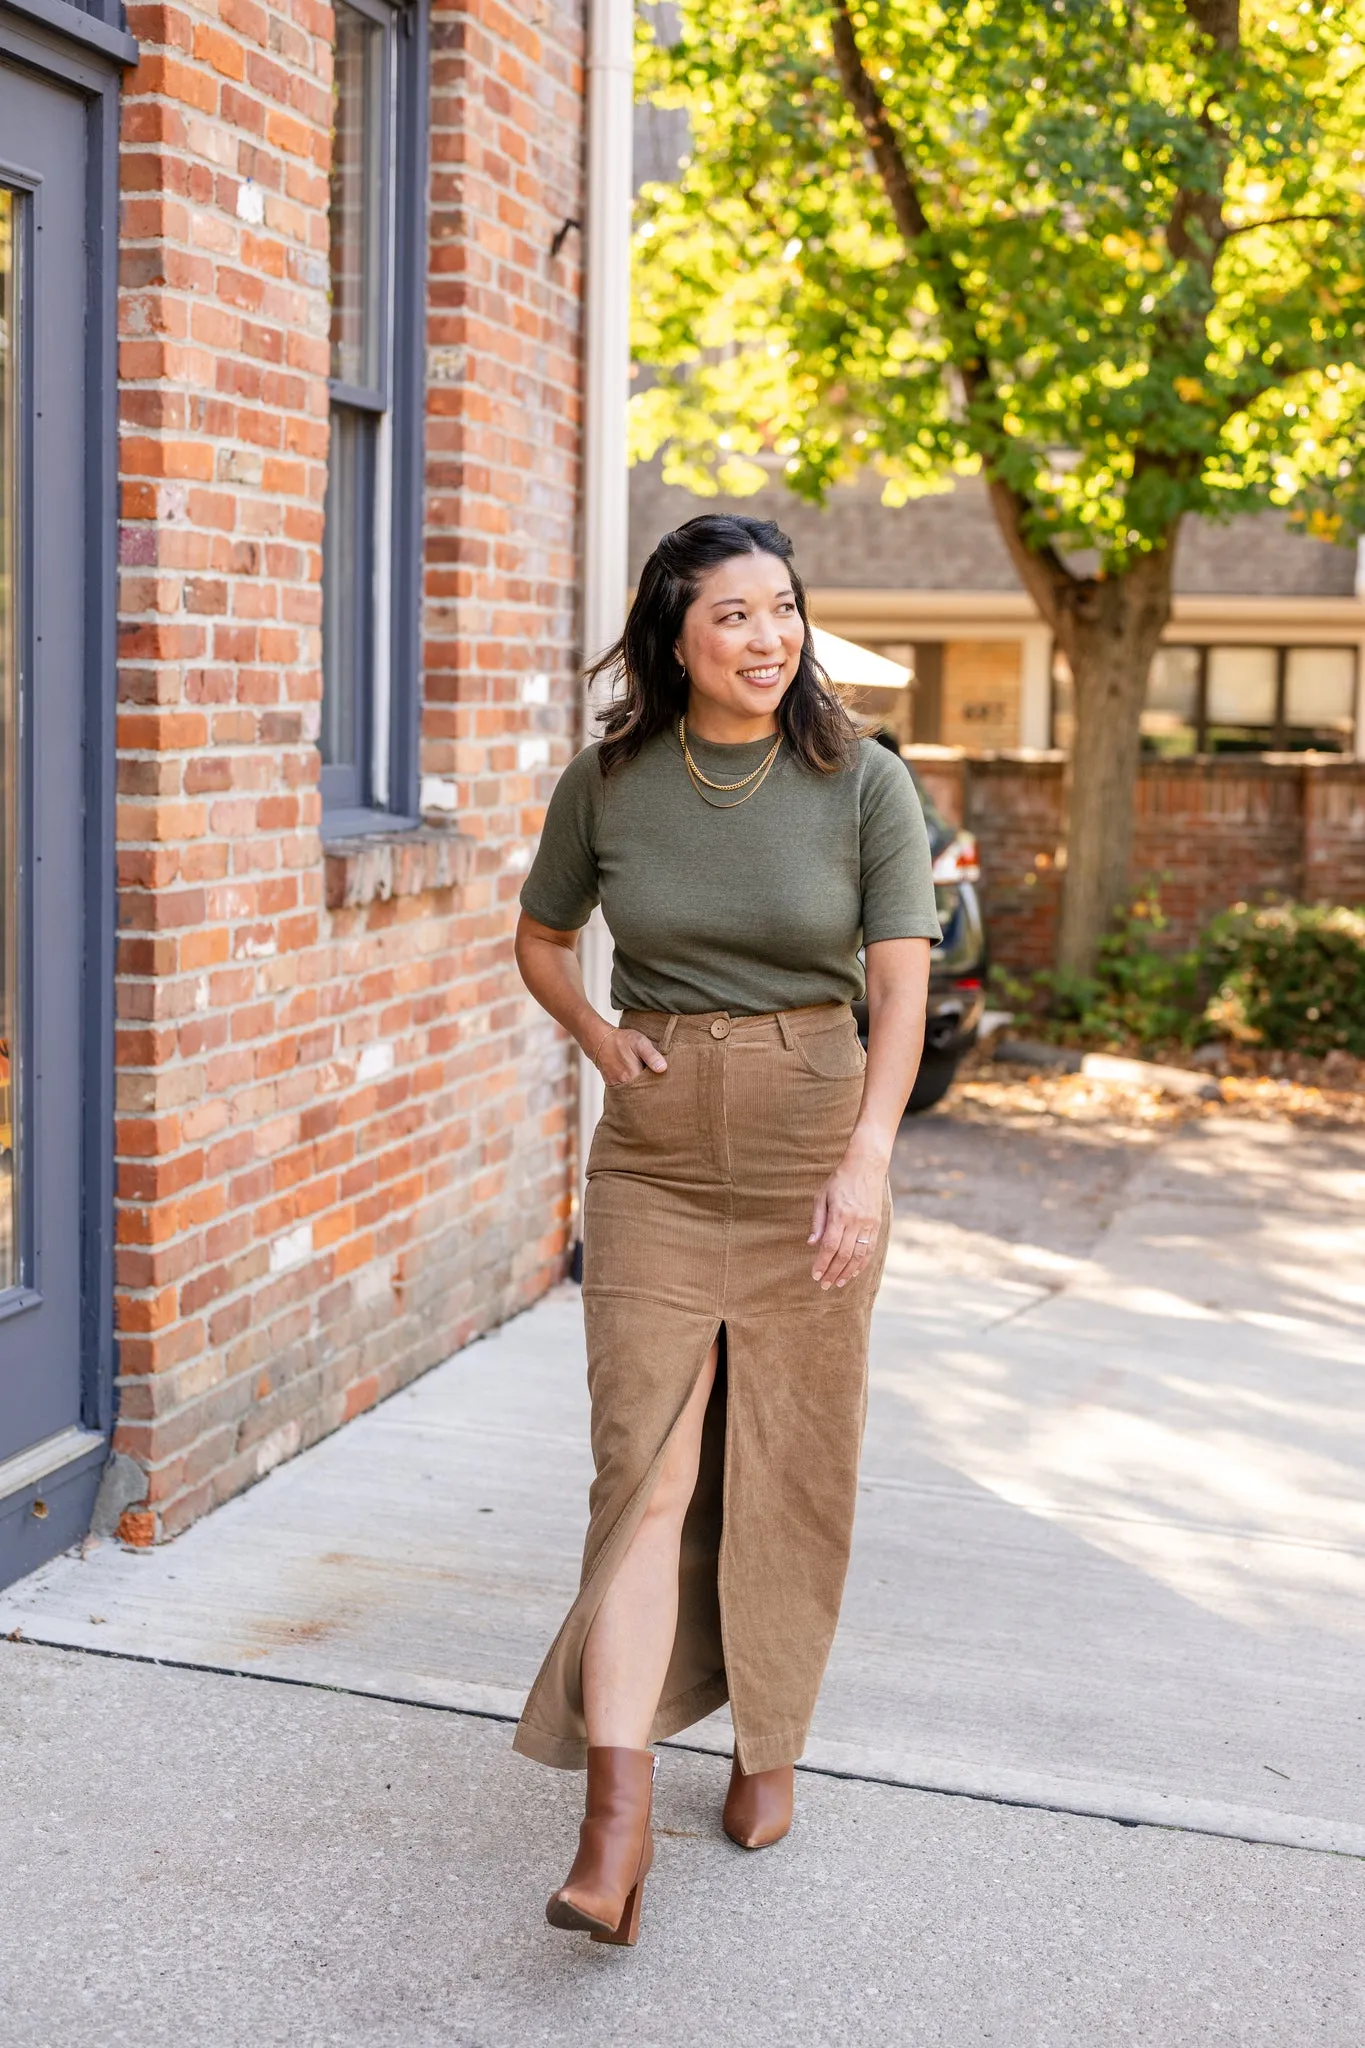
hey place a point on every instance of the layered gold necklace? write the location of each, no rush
(750, 784)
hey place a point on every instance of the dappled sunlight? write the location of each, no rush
(1217, 1478)
(1333, 1259)
(1113, 1494)
(1266, 1584)
(973, 1387)
(1278, 1325)
(1307, 1272)
(1038, 1258)
(1180, 1478)
(1136, 1300)
(1189, 1399)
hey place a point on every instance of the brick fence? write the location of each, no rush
(1210, 832)
(344, 1133)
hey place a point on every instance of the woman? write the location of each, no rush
(743, 843)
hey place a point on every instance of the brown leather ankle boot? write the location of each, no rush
(758, 1806)
(601, 1894)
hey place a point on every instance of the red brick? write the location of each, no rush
(137, 1526)
(1208, 832)
(235, 980)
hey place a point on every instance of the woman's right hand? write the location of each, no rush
(621, 1055)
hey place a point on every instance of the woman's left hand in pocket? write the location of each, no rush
(847, 1218)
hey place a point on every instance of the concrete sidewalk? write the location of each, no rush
(194, 1861)
(1110, 1562)
(1110, 1555)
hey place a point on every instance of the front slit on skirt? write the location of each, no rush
(700, 1187)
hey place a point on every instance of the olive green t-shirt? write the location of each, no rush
(758, 908)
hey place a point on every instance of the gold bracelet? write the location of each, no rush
(600, 1043)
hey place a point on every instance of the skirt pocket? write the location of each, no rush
(835, 1055)
(635, 1132)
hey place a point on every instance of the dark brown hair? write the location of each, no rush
(651, 690)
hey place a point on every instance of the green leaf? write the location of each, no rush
(1107, 310)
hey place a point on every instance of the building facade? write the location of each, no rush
(1252, 781)
(290, 332)
(1263, 652)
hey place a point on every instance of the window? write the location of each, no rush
(1319, 697)
(1239, 700)
(1170, 718)
(371, 545)
(1241, 687)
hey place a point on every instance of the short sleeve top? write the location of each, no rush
(760, 906)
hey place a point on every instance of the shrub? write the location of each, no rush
(1138, 994)
(1288, 976)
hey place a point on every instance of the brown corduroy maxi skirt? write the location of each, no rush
(701, 1182)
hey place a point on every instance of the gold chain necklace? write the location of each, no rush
(757, 776)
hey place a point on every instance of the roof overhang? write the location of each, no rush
(997, 614)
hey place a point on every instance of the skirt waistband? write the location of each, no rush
(782, 1027)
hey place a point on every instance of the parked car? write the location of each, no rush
(957, 966)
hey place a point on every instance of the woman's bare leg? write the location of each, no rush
(625, 1658)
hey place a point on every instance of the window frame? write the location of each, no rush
(1280, 728)
(25, 1289)
(379, 790)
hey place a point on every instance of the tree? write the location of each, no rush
(1109, 254)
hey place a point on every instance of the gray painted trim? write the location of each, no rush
(68, 59)
(100, 704)
(28, 1291)
(41, 1460)
(407, 372)
(353, 821)
(359, 397)
(404, 382)
(76, 26)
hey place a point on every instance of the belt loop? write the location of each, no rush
(669, 1029)
(788, 1035)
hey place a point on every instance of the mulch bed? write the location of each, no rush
(1289, 1087)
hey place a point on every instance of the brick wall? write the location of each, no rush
(1211, 832)
(343, 1136)
(1334, 835)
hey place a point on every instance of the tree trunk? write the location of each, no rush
(1109, 629)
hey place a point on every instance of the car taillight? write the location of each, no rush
(958, 861)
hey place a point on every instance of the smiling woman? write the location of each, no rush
(719, 634)
(743, 844)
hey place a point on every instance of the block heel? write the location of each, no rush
(628, 1933)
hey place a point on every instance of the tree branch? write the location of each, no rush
(1220, 21)
(1052, 586)
(1283, 220)
(866, 103)
(1042, 570)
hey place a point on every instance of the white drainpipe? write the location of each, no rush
(606, 386)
